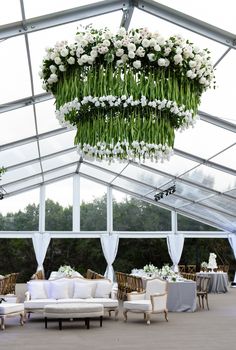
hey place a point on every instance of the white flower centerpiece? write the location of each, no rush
(150, 269)
(167, 273)
(126, 93)
(66, 270)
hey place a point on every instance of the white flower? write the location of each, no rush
(119, 52)
(53, 68)
(64, 52)
(62, 68)
(84, 58)
(131, 47)
(161, 62)
(178, 59)
(151, 57)
(131, 54)
(122, 31)
(106, 42)
(157, 48)
(57, 60)
(71, 60)
(145, 43)
(137, 64)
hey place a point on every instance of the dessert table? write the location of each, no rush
(218, 281)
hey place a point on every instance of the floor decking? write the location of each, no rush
(214, 329)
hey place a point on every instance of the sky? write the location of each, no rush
(17, 85)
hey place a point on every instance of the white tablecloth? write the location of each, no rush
(181, 295)
(218, 282)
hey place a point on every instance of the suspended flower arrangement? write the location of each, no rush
(127, 93)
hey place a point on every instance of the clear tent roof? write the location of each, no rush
(35, 149)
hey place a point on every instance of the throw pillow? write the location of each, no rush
(103, 289)
(59, 290)
(82, 290)
(37, 289)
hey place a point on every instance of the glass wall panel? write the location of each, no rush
(20, 212)
(59, 200)
(187, 224)
(131, 214)
(93, 206)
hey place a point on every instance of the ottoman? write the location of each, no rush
(73, 311)
(11, 309)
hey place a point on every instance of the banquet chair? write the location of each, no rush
(202, 290)
(152, 301)
(191, 268)
(181, 268)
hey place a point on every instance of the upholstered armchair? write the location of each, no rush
(152, 301)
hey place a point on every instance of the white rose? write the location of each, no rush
(122, 31)
(161, 62)
(62, 68)
(53, 76)
(64, 52)
(160, 40)
(192, 64)
(57, 60)
(119, 52)
(131, 54)
(137, 64)
(131, 47)
(106, 43)
(41, 74)
(93, 53)
(71, 60)
(145, 43)
(178, 59)
(84, 58)
(151, 57)
(157, 48)
(53, 68)
(202, 80)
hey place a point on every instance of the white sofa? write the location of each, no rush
(70, 290)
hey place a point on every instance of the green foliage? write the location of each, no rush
(17, 255)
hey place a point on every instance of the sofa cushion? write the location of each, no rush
(82, 290)
(38, 289)
(59, 290)
(87, 282)
(106, 302)
(38, 303)
(103, 289)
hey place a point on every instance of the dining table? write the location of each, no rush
(181, 294)
(218, 281)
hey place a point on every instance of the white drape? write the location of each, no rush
(175, 245)
(232, 241)
(109, 247)
(40, 243)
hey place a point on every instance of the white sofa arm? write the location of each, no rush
(159, 302)
(27, 296)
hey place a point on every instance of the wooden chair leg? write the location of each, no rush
(125, 315)
(166, 315)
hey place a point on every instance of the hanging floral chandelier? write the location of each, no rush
(126, 94)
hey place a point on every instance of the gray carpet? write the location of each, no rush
(214, 329)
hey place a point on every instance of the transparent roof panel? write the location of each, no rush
(222, 220)
(46, 119)
(57, 143)
(23, 184)
(170, 200)
(19, 154)
(115, 166)
(16, 78)
(227, 158)
(57, 173)
(34, 9)
(191, 192)
(176, 166)
(60, 160)
(22, 172)
(221, 101)
(17, 124)
(222, 203)
(132, 186)
(7, 14)
(221, 15)
(142, 19)
(212, 178)
(142, 175)
(213, 139)
(47, 38)
(96, 173)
